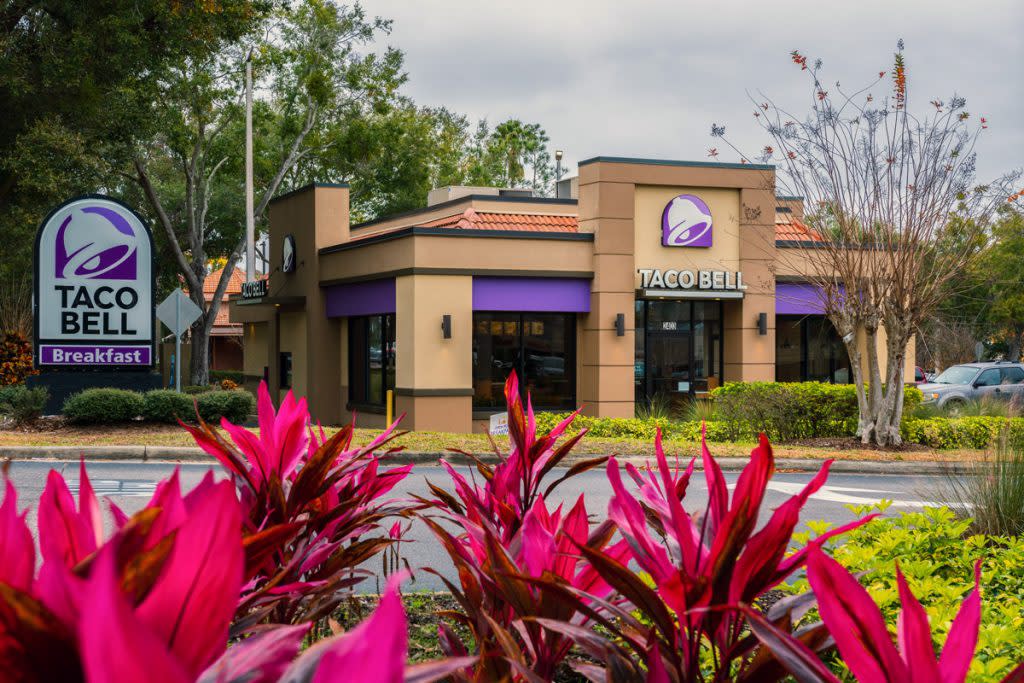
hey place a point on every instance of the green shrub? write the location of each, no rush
(962, 432)
(218, 376)
(21, 404)
(236, 406)
(635, 428)
(167, 405)
(103, 406)
(194, 389)
(937, 553)
(793, 410)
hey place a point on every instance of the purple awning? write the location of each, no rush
(531, 294)
(793, 298)
(361, 298)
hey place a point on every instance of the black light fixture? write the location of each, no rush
(446, 326)
(620, 325)
(762, 324)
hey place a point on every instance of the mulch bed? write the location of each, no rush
(853, 443)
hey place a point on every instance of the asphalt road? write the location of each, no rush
(130, 484)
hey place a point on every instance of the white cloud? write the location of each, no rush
(647, 79)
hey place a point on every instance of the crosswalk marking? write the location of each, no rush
(118, 487)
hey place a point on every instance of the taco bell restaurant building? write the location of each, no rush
(644, 280)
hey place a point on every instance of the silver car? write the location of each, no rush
(958, 384)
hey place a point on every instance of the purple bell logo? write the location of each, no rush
(686, 222)
(96, 243)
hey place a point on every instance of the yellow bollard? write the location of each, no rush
(389, 403)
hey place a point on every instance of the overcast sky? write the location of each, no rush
(647, 79)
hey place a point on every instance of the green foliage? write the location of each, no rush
(21, 404)
(103, 406)
(168, 406)
(637, 428)
(194, 389)
(962, 432)
(236, 406)
(937, 554)
(793, 410)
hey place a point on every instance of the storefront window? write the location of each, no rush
(371, 349)
(808, 349)
(540, 347)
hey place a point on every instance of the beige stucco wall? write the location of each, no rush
(293, 339)
(254, 352)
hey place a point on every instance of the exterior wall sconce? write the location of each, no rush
(620, 325)
(762, 324)
(446, 326)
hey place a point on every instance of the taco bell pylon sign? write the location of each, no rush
(686, 222)
(94, 287)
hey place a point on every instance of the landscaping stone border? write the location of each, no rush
(192, 454)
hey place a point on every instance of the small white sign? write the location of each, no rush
(683, 387)
(178, 312)
(499, 424)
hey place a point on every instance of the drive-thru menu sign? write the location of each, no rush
(94, 287)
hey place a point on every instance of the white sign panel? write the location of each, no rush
(499, 424)
(94, 286)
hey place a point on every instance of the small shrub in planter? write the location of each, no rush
(168, 406)
(236, 406)
(195, 389)
(21, 404)
(217, 376)
(228, 385)
(103, 406)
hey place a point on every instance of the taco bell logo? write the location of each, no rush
(96, 242)
(686, 222)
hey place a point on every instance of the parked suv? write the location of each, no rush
(974, 381)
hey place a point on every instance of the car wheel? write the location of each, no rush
(954, 406)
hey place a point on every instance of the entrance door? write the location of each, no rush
(678, 351)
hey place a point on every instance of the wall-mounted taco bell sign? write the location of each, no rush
(94, 286)
(686, 222)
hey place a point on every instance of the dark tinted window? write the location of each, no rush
(989, 378)
(540, 347)
(1012, 375)
(371, 353)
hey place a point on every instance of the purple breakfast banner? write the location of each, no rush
(52, 354)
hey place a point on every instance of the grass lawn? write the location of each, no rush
(171, 435)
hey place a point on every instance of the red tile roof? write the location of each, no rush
(790, 229)
(471, 219)
(222, 325)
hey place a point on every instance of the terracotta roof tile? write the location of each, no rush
(234, 283)
(470, 219)
(790, 229)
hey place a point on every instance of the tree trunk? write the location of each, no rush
(1013, 352)
(199, 374)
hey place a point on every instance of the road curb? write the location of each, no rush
(192, 454)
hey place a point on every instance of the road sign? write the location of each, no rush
(178, 312)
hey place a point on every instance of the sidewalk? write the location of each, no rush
(196, 455)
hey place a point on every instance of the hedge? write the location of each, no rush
(167, 405)
(786, 411)
(963, 432)
(236, 406)
(21, 404)
(108, 406)
(103, 406)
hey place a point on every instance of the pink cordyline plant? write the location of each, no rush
(859, 630)
(506, 541)
(313, 508)
(702, 566)
(154, 602)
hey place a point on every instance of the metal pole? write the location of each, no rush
(250, 219)
(389, 408)
(177, 344)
